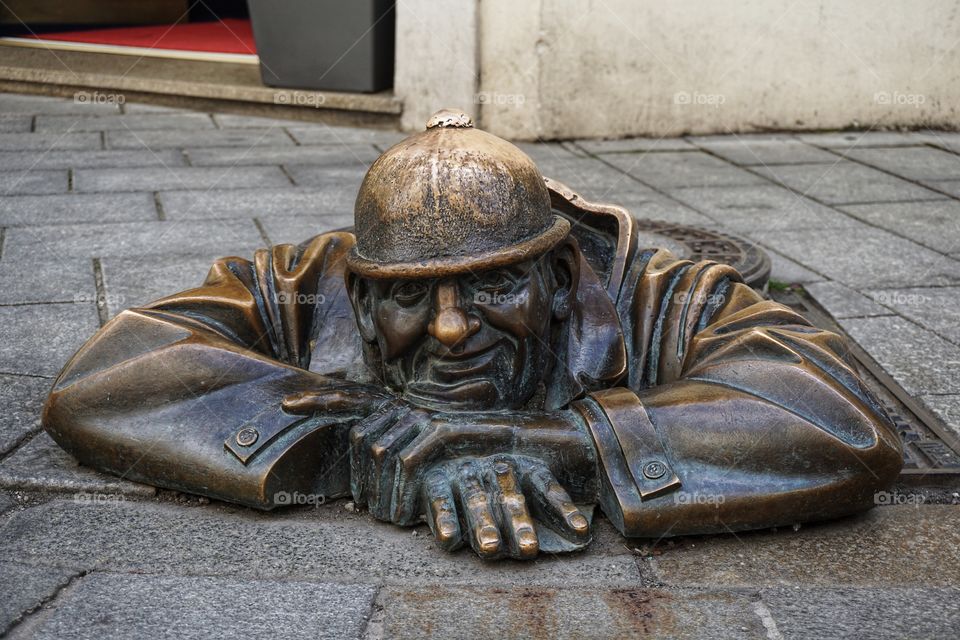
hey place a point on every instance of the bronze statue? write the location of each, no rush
(492, 354)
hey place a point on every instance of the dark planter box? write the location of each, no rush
(336, 45)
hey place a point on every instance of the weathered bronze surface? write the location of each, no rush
(492, 354)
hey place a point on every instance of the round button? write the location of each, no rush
(247, 436)
(654, 470)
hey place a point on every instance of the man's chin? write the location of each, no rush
(477, 394)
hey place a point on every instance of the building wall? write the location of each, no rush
(611, 68)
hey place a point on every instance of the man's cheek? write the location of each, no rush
(400, 328)
(525, 314)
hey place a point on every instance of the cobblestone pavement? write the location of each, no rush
(122, 204)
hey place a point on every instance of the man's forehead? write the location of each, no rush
(518, 269)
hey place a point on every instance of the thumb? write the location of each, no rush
(325, 401)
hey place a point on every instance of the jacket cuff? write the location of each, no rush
(635, 465)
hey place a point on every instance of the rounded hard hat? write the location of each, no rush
(450, 200)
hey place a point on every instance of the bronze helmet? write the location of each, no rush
(449, 200)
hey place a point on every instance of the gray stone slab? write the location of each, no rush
(15, 124)
(49, 141)
(878, 614)
(567, 613)
(39, 338)
(892, 546)
(787, 271)
(634, 145)
(844, 302)
(70, 208)
(123, 122)
(915, 163)
(590, 177)
(850, 139)
(933, 223)
(64, 159)
(345, 178)
(951, 187)
(41, 465)
(919, 360)
(167, 139)
(121, 606)
(749, 151)
(947, 408)
(24, 588)
(32, 181)
(935, 308)
(159, 179)
(549, 151)
(236, 121)
(326, 543)
(61, 280)
(689, 169)
(863, 257)
(143, 107)
(645, 205)
(132, 282)
(22, 398)
(845, 182)
(347, 156)
(210, 239)
(296, 229)
(766, 207)
(324, 134)
(224, 203)
(16, 103)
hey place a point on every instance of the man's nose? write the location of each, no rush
(451, 324)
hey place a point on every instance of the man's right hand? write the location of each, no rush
(339, 399)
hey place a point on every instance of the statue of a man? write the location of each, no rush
(489, 353)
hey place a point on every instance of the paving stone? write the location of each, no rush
(690, 169)
(863, 258)
(919, 360)
(18, 211)
(347, 156)
(933, 223)
(851, 139)
(891, 546)
(62, 280)
(844, 302)
(105, 606)
(767, 207)
(947, 408)
(41, 337)
(878, 614)
(549, 151)
(210, 239)
(142, 107)
(845, 182)
(645, 205)
(915, 163)
(951, 187)
(787, 271)
(747, 152)
(49, 141)
(590, 177)
(567, 613)
(935, 308)
(633, 145)
(24, 588)
(296, 229)
(15, 103)
(89, 159)
(325, 543)
(224, 203)
(236, 121)
(132, 282)
(345, 178)
(167, 139)
(32, 181)
(122, 122)
(15, 124)
(22, 398)
(150, 179)
(41, 465)
(325, 134)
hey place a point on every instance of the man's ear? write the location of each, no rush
(361, 298)
(565, 263)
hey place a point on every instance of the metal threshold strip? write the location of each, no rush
(87, 47)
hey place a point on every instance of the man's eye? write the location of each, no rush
(407, 294)
(494, 283)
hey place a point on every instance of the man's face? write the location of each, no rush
(473, 341)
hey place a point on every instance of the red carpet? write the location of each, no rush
(228, 36)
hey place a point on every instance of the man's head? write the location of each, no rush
(461, 274)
